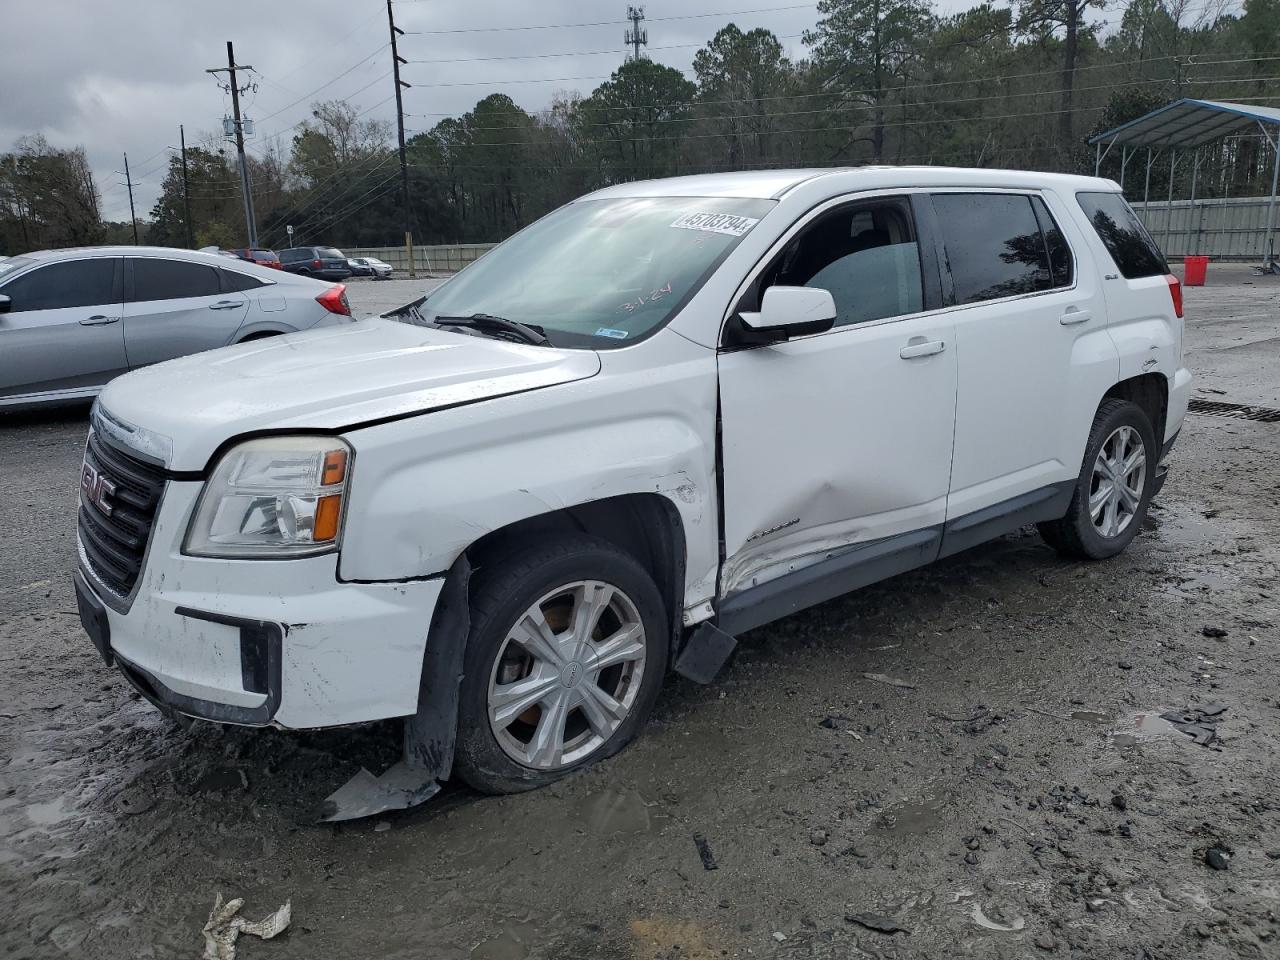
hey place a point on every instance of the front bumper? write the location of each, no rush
(258, 642)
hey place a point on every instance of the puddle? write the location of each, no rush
(48, 813)
(912, 817)
(1175, 527)
(615, 811)
(511, 944)
(1141, 727)
(1091, 716)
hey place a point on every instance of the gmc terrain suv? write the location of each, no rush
(666, 413)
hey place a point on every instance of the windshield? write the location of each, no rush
(601, 273)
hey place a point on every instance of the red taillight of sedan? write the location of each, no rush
(317, 264)
(335, 300)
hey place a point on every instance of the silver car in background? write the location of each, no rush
(70, 320)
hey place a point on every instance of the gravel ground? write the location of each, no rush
(1021, 797)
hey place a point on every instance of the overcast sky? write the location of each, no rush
(118, 77)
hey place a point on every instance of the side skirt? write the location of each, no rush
(1037, 506)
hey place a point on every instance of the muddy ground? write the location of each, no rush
(1021, 798)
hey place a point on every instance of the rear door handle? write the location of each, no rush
(1074, 315)
(98, 320)
(925, 348)
(224, 305)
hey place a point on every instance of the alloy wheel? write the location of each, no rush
(1119, 478)
(567, 675)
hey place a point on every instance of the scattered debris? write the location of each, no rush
(1214, 633)
(704, 851)
(1199, 723)
(881, 678)
(818, 837)
(876, 922)
(1124, 665)
(1000, 923)
(382, 826)
(224, 926)
(830, 722)
(1119, 802)
(779, 936)
(1218, 857)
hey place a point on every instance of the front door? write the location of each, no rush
(177, 307)
(842, 438)
(62, 333)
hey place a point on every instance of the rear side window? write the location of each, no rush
(233, 282)
(994, 245)
(289, 256)
(265, 255)
(155, 279)
(76, 283)
(1061, 262)
(1123, 234)
(329, 253)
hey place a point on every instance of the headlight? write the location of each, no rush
(273, 497)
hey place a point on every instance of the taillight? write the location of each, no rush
(316, 264)
(335, 300)
(1175, 291)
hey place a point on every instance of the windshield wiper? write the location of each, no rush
(526, 332)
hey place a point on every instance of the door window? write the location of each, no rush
(155, 279)
(1126, 239)
(994, 245)
(1061, 262)
(75, 283)
(865, 254)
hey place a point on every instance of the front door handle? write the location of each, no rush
(225, 305)
(1074, 315)
(922, 348)
(98, 320)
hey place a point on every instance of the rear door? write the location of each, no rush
(63, 329)
(176, 307)
(1030, 329)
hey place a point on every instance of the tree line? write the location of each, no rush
(883, 81)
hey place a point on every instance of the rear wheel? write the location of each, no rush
(1114, 488)
(566, 654)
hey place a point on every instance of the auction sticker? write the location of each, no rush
(726, 223)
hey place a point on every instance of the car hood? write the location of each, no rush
(181, 411)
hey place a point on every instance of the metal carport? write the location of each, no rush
(1188, 125)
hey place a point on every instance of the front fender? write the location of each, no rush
(424, 489)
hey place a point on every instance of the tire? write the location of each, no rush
(1078, 534)
(518, 754)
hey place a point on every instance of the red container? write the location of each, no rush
(1194, 270)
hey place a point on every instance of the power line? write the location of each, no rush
(614, 23)
(581, 53)
(327, 83)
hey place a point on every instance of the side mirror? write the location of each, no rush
(5, 304)
(787, 312)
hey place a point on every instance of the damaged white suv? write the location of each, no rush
(664, 414)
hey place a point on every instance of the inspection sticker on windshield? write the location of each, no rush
(725, 223)
(610, 332)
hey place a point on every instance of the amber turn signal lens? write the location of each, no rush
(328, 512)
(335, 468)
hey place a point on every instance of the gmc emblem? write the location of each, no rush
(96, 489)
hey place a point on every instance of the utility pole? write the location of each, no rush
(186, 190)
(230, 69)
(636, 37)
(133, 217)
(396, 60)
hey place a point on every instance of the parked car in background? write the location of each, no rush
(662, 415)
(370, 267)
(263, 258)
(70, 320)
(327, 263)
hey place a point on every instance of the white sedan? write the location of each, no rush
(71, 320)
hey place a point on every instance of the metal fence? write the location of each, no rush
(448, 258)
(1223, 229)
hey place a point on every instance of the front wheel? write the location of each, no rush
(1114, 488)
(565, 657)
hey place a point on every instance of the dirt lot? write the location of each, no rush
(1021, 798)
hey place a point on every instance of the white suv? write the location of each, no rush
(664, 414)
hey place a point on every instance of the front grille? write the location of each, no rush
(114, 543)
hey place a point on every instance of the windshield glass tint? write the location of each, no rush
(601, 273)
